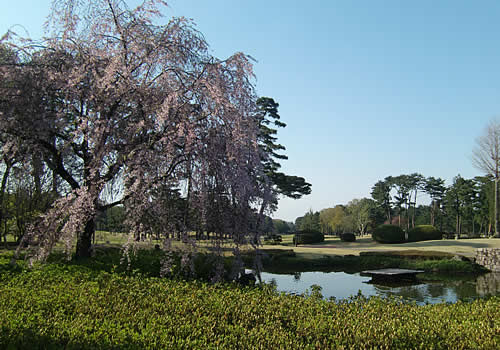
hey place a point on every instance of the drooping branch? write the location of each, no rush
(56, 163)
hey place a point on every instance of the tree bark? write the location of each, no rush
(399, 217)
(414, 208)
(8, 167)
(496, 205)
(433, 212)
(408, 207)
(84, 240)
(37, 173)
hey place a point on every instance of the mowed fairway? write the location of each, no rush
(331, 246)
(334, 246)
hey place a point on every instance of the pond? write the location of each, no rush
(342, 285)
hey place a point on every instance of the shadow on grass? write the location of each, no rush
(111, 258)
(106, 259)
(32, 339)
(368, 244)
(450, 243)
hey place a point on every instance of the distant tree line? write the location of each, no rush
(466, 206)
(359, 215)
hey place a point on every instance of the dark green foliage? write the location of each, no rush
(460, 201)
(112, 220)
(273, 239)
(429, 261)
(348, 237)
(381, 193)
(61, 306)
(287, 262)
(308, 237)
(388, 234)
(309, 222)
(290, 185)
(424, 233)
(268, 119)
(283, 227)
(148, 262)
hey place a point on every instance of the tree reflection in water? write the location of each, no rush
(443, 288)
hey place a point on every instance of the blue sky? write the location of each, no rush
(368, 89)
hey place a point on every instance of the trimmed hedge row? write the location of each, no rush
(423, 233)
(348, 237)
(308, 237)
(388, 234)
(395, 234)
(75, 307)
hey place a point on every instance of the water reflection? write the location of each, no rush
(296, 276)
(488, 284)
(342, 285)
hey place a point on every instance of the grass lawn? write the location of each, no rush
(335, 255)
(334, 246)
(331, 246)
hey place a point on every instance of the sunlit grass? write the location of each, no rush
(334, 246)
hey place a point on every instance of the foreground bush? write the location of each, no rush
(308, 237)
(75, 307)
(388, 234)
(423, 233)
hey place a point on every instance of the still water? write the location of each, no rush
(342, 285)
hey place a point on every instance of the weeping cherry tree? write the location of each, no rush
(117, 103)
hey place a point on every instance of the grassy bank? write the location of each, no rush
(92, 305)
(287, 261)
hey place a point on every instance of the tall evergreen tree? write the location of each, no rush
(435, 188)
(381, 193)
(268, 121)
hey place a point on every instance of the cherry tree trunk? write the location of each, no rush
(2, 193)
(84, 241)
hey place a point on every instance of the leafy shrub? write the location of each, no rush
(308, 237)
(423, 233)
(348, 237)
(388, 234)
(273, 239)
(80, 307)
(449, 235)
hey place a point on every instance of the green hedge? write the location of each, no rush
(76, 307)
(388, 234)
(308, 237)
(348, 237)
(273, 239)
(423, 233)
